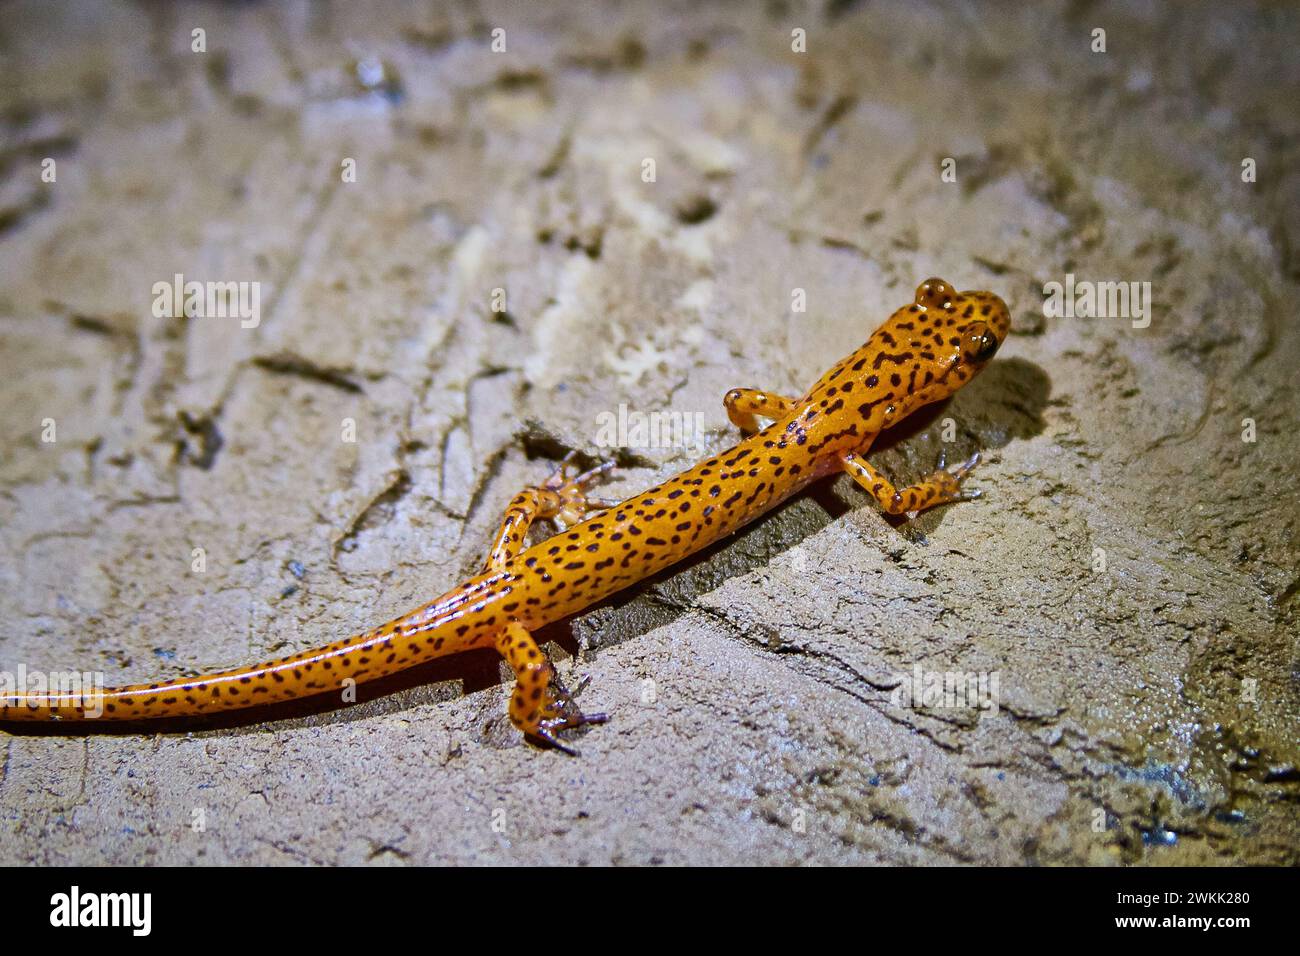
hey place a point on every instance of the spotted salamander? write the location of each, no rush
(923, 353)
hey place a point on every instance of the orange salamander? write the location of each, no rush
(923, 353)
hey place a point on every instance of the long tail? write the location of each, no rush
(441, 627)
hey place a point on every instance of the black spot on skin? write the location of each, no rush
(898, 359)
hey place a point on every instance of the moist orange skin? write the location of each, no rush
(923, 353)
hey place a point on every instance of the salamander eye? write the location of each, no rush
(934, 293)
(988, 344)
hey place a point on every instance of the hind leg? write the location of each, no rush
(560, 499)
(540, 706)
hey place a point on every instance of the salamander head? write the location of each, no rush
(982, 319)
(928, 349)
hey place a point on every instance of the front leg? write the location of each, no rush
(938, 488)
(746, 405)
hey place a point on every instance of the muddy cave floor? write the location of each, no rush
(1129, 575)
